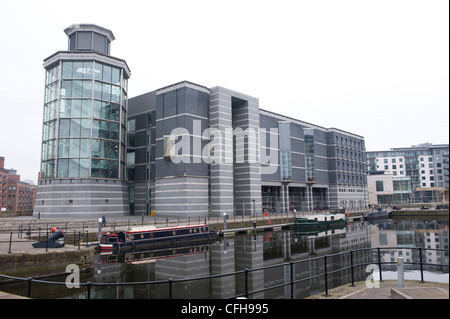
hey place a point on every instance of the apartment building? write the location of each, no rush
(425, 165)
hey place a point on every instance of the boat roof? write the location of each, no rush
(150, 228)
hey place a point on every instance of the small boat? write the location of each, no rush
(143, 237)
(377, 214)
(321, 221)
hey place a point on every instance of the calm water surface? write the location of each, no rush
(264, 249)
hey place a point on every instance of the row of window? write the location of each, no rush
(349, 143)
(81, 147)
(82, 128)
(79, 168)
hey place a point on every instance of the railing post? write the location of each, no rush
(170, 287)
(246, 282)
(88, 290)
(351, 268)
(421, 265)
(292, 279)
(379, 264)
(326, 275)
(10, 240)
(29, 287)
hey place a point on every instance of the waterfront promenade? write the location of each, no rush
(388, 289)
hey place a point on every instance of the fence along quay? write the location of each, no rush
(373, 254)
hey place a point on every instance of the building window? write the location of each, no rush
(379, 186)
(309, 154)
(132, 125)
(169, 146)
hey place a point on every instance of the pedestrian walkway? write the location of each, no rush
(389, 290)
(5, 295)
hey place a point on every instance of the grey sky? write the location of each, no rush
(379, 69)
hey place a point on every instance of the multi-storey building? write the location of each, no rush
(15, 195)
(198, 151)
(425, 165)
(83, 164)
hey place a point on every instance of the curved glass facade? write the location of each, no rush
(84, 121)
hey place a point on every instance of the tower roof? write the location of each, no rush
(89, 27)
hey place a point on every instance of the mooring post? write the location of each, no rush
(99, 229)
(400, 272)
(10, 240)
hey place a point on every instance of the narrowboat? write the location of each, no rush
(142, 237)
(321, 221)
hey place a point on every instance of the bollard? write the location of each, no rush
(10, 240)
(400, 272)
(99, 229)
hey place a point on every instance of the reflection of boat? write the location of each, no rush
(149, 256)
(322, 221)
(377, 214)
(305, 233)
(140, 237)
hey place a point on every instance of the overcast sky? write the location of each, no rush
(379, 69)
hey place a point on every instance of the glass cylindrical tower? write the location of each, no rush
(83, 162)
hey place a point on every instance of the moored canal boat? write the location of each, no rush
(321, 221)
(152, 236)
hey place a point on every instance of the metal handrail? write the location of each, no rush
(247, 271)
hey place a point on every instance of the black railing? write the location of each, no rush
(375, 253)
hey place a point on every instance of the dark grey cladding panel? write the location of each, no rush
(140, 173)
(165, 167)
(298, 159)
(186, 121)
(142, 103)
(297, 146)
(267, 122)
(140, 138)
(141, 155)
(141, 122)
(182, 100)
(298, 174)
(320, 149)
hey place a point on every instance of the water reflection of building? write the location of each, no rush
(233, 254)
(409, 234)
